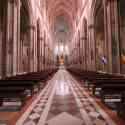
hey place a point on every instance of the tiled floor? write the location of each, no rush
(64, 102)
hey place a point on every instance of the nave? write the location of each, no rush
(65, 101)
(62, 59)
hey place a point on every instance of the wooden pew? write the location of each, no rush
(90, 76)
(15, 87)
(38, 77)
(112, 87)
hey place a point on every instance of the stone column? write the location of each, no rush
(31, 48)
(46, 56)
(3, 28)
(1, 35)
(18, 39)
(93, 47)
(84, 40)
(12, 36)
(44, 53)
(108, 66)
(15, 36)
(40, 55)
(78, 48)
(81, 54)
(74, 57)
(77, 57)
(35, 49)
(112, 35)
(89, 49)
(9, 37)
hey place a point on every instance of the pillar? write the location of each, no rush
(12, 36)
(92, 46)
(112, 35)
(31, 48)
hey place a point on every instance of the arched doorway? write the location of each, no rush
(99, 37)
(121, 6)
(3, 24)
(24, 36)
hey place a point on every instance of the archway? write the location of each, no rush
(24, 36)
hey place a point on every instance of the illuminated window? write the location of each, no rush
(56, 50)
(39, 2)
(61, 48)
(66, 50)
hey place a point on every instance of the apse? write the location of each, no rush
(61, 30)
(61, 35)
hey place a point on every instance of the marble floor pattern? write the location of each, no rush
(64, 102)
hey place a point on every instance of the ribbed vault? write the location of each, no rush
(66, 10)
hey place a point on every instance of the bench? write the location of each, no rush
(15, 87)
(111, 87)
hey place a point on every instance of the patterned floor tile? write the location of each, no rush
(70, 105)
(30, 123)
(65, 119)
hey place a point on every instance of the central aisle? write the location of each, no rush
(64, 102)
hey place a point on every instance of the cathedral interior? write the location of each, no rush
(62, 62)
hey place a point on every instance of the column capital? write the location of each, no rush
(41, 38)
(31, 26)
(109, 1)
(13, 1)
(83, 38)
(91, 26)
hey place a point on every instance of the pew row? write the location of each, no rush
(19, 87)
(111, 87)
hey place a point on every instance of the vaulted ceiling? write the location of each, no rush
(62, 9)
(66, 8)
